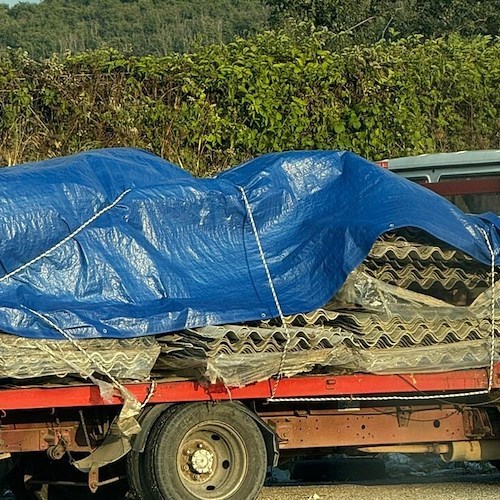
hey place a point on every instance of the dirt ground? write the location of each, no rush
(395, 478)
(440, 491)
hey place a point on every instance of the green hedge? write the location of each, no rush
(226, 103)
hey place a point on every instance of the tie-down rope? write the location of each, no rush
(279, 375)
(368, 398)
(131, 405)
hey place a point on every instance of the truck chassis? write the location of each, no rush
(208, 441)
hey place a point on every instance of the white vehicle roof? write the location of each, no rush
(433, 167)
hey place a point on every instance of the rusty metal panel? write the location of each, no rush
(368, 427)
(38, 437)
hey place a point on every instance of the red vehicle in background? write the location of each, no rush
(469, 179)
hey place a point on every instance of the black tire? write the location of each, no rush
(136, 476)
(201, 451)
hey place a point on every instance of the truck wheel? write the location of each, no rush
(136, 476)
(139, 486)
(204, 451)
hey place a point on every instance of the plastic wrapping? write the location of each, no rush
(127, 359)
(369, 326)
(238, 371)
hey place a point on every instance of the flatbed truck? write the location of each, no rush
(200, 441)
(210, 442)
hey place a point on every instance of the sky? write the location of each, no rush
(13, 2)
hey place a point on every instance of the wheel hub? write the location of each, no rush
(202, 461)
(212, 461)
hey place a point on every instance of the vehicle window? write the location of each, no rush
(471, 194)
(477, 203)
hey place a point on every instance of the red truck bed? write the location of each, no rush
(310, 386)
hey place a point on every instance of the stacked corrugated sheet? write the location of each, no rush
(24, 358)
(414, 304)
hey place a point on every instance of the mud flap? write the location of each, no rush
(114, 447)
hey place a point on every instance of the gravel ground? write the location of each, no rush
(441, 491)
(402, 477)
(396, 477)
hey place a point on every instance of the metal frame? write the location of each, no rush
(376, 426)
(54, 438)
(168, 391)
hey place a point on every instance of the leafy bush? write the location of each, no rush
(366, 21)
(225, 103)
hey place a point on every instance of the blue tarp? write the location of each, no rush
(120, 243)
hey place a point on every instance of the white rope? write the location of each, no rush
(273, 291)
(79, 348)
(425, 396)
(379, 398)
(66, 239)
(152, 389)
(493, 300)
(131, 405)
